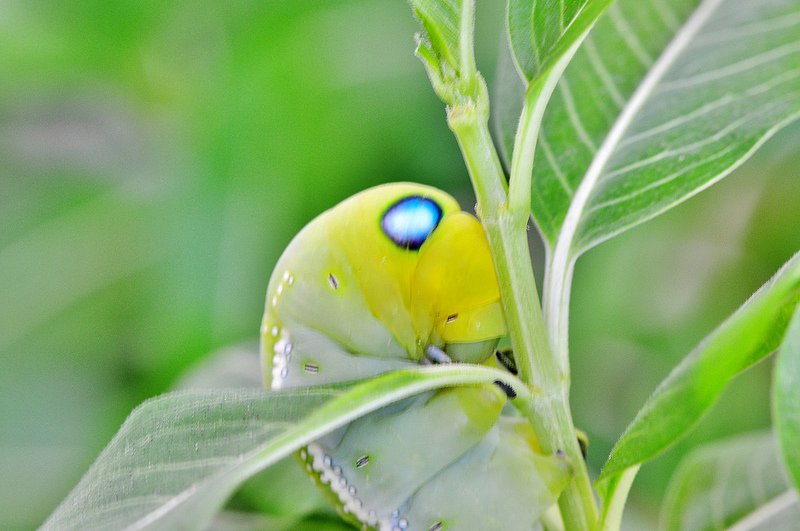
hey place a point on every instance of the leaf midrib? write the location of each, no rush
(561, 257)
(563, 249)
(765, 511)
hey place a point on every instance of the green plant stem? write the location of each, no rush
(537, 95)
(506, 232)
(536, 98)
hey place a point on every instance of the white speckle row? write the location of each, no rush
(332, 475)
(282, 349)
(282, 353)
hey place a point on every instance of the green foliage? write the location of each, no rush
(178, 458)
(734, 484)
(651, 111)
(541, 33)
(150, 155)
(156, 159)
(750, 334)
(535, 28)
(178, 446)
(786, 398)
(282, 491)
(446, 48)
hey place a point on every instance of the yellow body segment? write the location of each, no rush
(455, 288)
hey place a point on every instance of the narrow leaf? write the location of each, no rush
(660, 102)
(441, 20)
(615, 495)
(737, 484)
(750, 334)
(179, 457)
(445, 48)
(786, 399)
(282, 491)
(544, 37)
(540, 32)
(534, 28)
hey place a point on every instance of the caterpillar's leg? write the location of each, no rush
(436, 355)
(505, 357)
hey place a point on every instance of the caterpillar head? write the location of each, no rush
(382, 276)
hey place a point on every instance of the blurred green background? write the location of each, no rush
(156, 157)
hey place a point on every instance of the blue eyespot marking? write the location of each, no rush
(410, 221)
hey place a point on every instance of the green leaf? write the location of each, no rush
(172, 446)
(534, 28)
(282, 491)
(660, 102)
(786, 399)
(539, 33)
(179, 457)
(445, 47)
(544, 38)
(540, 36)
(750, 334)
(615, 495)
(736, 484)
(442, 21)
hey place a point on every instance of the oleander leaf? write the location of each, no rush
(735, 484)
(179, 457)
(786, 399)
(282, 492)
(534, 28)
(754, 331)
(539, 33)
(542, 39)
(442, 21)
(660, 102)
(445, 47)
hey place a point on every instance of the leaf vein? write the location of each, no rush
(602, 72)
(626, 32)
(686, 148)
(562, 254)
(574, 118)
(767, 511)
(662, 181)
(723, 101)
(735, 68)
(667, 16)
(750, 30)
(717, 495)
(551, 159)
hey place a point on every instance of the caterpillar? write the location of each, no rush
(394, 277)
